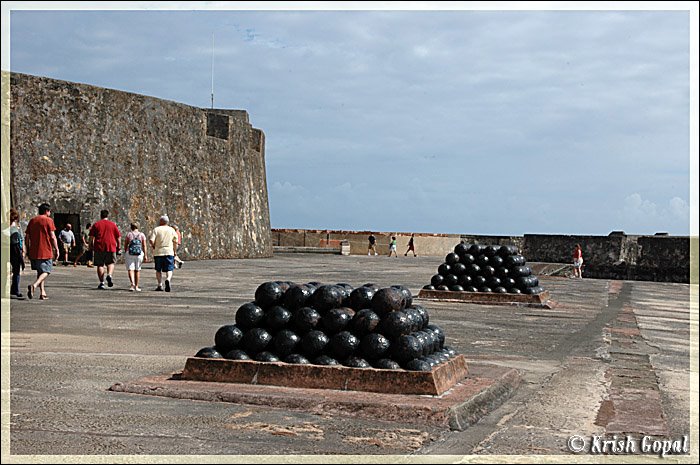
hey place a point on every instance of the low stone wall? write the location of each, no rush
(426, 244)
(616, 256)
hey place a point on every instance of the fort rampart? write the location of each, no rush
(83, 148)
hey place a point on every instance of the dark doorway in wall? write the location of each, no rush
(60, 220)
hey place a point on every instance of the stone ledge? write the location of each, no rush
(434, 382)
(484, 389)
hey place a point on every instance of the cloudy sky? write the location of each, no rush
(480, 122)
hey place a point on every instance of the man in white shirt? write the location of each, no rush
(163, 239)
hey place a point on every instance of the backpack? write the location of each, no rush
(135, 247)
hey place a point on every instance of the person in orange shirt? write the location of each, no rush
(41, 243)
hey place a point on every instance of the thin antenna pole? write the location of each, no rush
(212, 70)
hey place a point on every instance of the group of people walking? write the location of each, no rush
(372, 247)
(101, 240)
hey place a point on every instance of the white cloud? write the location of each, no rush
(482, 106)
(641, 216)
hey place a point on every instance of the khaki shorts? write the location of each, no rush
(66, 246)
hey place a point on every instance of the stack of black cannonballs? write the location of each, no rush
(313, 323)
(485, 268)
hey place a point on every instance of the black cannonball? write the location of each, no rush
(459, 269)
(361, 298)
(255, 340)
(266, 356)
(296, 359)
(296, 297)
(365, 321)
(305, 319)
(374, 346)
(407, 296)
(356, 362)
(405, 348)
(437, 279)
(314, 343)
(418, 365)
(327, 297)
(468, 259)
(227, 338)
(268, 294)
(249, 316)
(387, 300)
(285, 342)
(396, 324)
(451, 258)
(439, 332)
(462, 248)
(445, 269)
(386, 364)
(507, 250)
(208, 352)
(325, 360)
(237, 354)
(343, 345)
(336, 319)
(277, 317)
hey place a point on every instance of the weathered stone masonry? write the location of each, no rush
(84, 148)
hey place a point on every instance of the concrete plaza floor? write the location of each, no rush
(612, 357)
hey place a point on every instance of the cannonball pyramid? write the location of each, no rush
(485, 268)
(333, 324)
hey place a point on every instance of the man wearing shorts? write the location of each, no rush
(163, 240)
(372, 245)
(67, 239)
(41, 243)
(104, 241)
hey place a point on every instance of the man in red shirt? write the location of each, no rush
(104, 240)
(41, 242)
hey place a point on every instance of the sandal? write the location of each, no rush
(43, 297)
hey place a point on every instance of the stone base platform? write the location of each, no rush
(485, 388)
(541, 300)
(434, 382)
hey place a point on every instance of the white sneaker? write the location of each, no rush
(132, 288)
(137, 289)
(375, 254)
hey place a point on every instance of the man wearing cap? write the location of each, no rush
(163, 239)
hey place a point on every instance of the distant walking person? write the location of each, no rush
(104, 242)
(42, 247)
(411, 247)
(578, 261)
(67, 239)
(372, 245)
(16, 253)
(85, 252)
(392, 247)
(178, 262)
(164, 243)
(135, 248)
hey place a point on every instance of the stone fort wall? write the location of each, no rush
(83, 148)
(616, 256)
